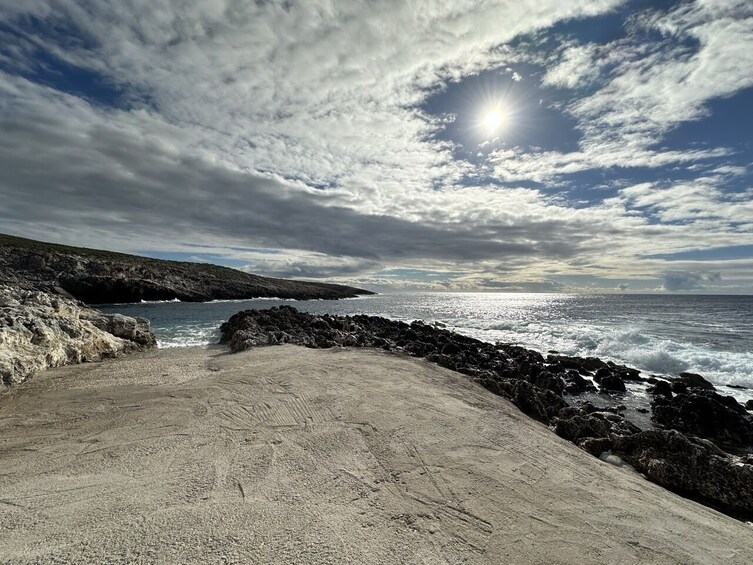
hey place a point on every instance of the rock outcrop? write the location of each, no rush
(692, 467)
(683, 459)
(99, 277)
(704, 413)
(39, 330)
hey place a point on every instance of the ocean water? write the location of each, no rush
(658, 334)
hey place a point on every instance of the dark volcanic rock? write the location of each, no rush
(660, 388)
(691, 467)
(584, 365)
(626, 373)
(575, 384)
(693, 380)
(612, 383)
(704, 413)
(678, 387)
(585, 423)
(601, 373)
(749, 405)
(98, 277)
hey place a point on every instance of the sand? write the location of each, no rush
(293, 455)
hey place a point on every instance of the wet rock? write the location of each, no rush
(602, 373)
(678, 387)
(584, 365)
(612, 383)
(749, 405)
(693, 380)
(627, 373)
(707, 414)
(660, 388)
(575, 384)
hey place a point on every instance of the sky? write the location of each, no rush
(454, 145)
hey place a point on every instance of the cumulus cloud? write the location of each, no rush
(684, 280)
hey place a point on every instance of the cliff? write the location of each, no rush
(98, 277)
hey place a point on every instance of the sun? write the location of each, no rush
(493, 121)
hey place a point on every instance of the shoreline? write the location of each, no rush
(648, 349)
(700, 447)
(310, 455)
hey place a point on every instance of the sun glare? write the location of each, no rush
(493, 121)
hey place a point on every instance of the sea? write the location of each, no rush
(659, 334)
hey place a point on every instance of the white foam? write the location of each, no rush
(187, 336)
(237, 300)
(627, 345)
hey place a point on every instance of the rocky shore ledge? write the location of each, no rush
(699, 448)
(39, 330)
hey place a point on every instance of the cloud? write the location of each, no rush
(579, 65)
(298, 128)
(312, 267)
(662, 74)
(684, 280)
(124, 185)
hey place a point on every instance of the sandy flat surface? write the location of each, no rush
(292, 455)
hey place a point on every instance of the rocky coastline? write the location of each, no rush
(44, 289)
(700, 444)
(99, 277)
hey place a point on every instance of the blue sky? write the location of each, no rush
(592, 146)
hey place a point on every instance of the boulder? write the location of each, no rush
(693, 380)
(39, 330)
(704, 413)
(137, 330)
(660, 388)
(691, 467)
(575, 384)
(601, 373)
(612, 383)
